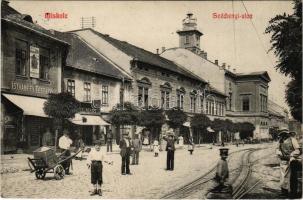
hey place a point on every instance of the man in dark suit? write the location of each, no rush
(170, 148)
(125, 146)
(109, 141)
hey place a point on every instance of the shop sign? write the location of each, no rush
(25, 87)
(89, 108)
(34, 62)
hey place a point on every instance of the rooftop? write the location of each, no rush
(145, 56)
(82, 57)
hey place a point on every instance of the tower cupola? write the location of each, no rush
(189, 36)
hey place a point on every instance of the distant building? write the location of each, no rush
(156, 81)
(31, 68)
(278, 116)
(247, 93)
(97, 83)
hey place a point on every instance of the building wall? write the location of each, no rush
(24, 84)
(96, 82)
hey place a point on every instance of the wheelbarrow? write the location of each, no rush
(46, 161)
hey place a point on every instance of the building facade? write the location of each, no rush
(246, 94)
(97, 83)
(156, 81)
(31, 68)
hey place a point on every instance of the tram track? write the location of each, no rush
(195, 186)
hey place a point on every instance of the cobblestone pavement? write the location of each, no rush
(149, 179)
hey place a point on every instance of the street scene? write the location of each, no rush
(151, 100)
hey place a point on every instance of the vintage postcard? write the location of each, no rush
(151, 99)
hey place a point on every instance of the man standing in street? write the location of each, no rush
(64, 143)
(125, 146)
(109, 141)
(137, 145)
(170, 148)
(288, 151)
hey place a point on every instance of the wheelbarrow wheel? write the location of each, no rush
(59, 172)
(40, 174)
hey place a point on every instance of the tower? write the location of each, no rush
(189, 36)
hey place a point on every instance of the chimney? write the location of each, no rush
(216, 62)
(228, 67)
(205, 55)
(157, 51)
(223, 65)
(234, 70)
(163, 49)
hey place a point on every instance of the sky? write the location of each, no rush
(240, 43)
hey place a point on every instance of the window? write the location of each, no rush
(263, 103)
(71, 87)
(193, 103)
(44, 63)
(230, 100)
(165, 99)
(21, 57)
(207, 107)
(105, 95)
(142, 96)
(216, 108)
(121, 95)
(180, 101)
(245, 103)
(201, 104)
(212, 108)
(87, 96)
(186, 39)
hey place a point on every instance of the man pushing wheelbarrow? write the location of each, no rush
(64, 144)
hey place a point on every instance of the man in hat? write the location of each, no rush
(137, 145)
(64, 144)
(109, 141)
(170, 148)
(222, 172)
(288, 151)
(125, 146)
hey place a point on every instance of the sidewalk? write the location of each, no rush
(149, 179)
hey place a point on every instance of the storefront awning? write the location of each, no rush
(88, 120)
(30, 105)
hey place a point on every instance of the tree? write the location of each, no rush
(152, 118)
(246, 130)
(200, 122)
(294, 99)
(124, 114)
(286, 42)
(176, 117)
(218, 125)
(61, 106)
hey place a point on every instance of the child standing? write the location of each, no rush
(156, 148)
(94, 162)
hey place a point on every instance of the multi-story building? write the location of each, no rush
(246, 93)
(31, 68)
(97, 83)
(278, 116)
(156, 81)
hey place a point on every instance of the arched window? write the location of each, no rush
(180, 97)
(143, 86)
(165, 90)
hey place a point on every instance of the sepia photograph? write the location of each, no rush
(151, 99)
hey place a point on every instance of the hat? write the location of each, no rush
(224, 151)
(283, 132)
(170, 132)
(125, 133)
(292, 133)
